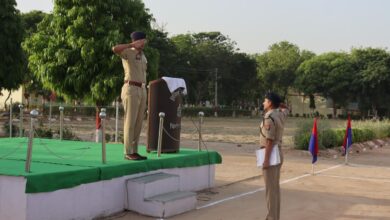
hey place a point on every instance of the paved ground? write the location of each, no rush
(359, 191)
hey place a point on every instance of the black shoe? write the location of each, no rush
(133, 157)
(142, 157)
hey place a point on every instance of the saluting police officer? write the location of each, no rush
(133, 91)
(271, 132)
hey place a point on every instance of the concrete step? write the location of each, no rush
(148, 186)
(154, 184)
(170, 204)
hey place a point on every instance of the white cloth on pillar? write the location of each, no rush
(175, 83)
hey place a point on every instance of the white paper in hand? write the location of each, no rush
(273, 160)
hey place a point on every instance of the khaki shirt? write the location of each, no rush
(134, 65)
(272, 126)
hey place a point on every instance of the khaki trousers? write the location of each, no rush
(134, 104)
(272, 190)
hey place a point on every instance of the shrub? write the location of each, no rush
(42, 132)
(69, 135)
(340, 133)
(15, 129)
(194, 111)
(222, 112)
(302, 134)
(302, 141)
(328, 138)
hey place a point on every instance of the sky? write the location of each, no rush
(316, 25)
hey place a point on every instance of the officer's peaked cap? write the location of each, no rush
(137, 35)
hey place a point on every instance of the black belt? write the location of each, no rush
(135, 83)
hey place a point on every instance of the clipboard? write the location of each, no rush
(274, 158)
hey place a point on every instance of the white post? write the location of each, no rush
(61, 108)
(160, 132)
(116, 120)
(34, 113)
(98, 132)
(102, 116)
(201, 114)
(216, 93)
(21, 121)
(346, 153)
(312, 169)
(10, 119)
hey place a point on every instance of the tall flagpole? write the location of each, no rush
(312, 169)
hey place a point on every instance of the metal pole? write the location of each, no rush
(160, 132)
(116, 120)
(61, 108)
(10, 119)
(21, 121)
(102, 116)
(34, 113)
(312, 169)
(346, 153)
(50, 110)
(216, 92)
(201, 114)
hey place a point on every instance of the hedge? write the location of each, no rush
(187, 112)
(330, 138)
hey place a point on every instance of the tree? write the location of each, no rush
(71, 52)
(328, 74)
(203, 58)
(371, 84)
(277, 67)
(30, 23)
(240, 84)
(312, 102)
(167, 53)
(11, 36)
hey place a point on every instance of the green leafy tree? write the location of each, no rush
(203, 58)
(277, 67)
(239, 83)
(167, 53)
(372, 81)
(11, 53)
(30, 21)
(71, 51)
(328, 74)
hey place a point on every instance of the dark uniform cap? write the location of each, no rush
(137, 35)
(274, 98)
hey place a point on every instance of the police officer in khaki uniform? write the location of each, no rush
(271, 132)
(133, 91)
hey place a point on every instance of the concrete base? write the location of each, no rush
(86, 201)
(158, 195)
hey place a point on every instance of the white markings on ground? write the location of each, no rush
(371, 179)
(263, 188)
(367, 166)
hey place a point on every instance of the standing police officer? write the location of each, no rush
(271, 132)
(133, 91)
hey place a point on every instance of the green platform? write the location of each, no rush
(65, 164)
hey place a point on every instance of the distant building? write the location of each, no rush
(300, 105)
(18, 96)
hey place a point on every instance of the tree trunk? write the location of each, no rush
(374, 111)
(334, 110)
(5, 102)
